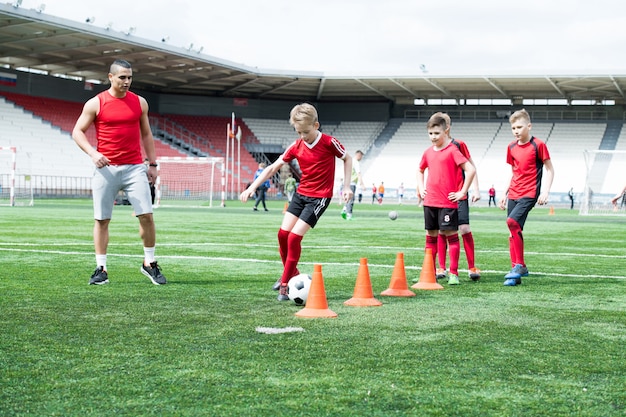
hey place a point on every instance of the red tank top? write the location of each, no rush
(118, 128)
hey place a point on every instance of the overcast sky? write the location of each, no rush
(380, 37)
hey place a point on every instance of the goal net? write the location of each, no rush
(16, 188)
(606, 176)
(188, 179)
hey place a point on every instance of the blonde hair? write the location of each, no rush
(520, 115)
(303, 113)
(439, 119)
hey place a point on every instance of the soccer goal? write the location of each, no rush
(16, 188)
(606, 175)
(183, 179)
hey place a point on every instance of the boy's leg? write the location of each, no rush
(468, 246)
(431, 243)
(516, 242)
(294, 243)
(455, 251)
(442, 248)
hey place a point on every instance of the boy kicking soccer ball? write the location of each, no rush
(315, 153)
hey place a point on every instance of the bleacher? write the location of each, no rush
(398, 161)
(42, 149)
(616, 172)
(40, 129)
(214, 130)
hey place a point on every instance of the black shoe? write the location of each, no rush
(283, 293)
(276, 285)
(255, 209)
(266, 210)
(99, 277)
(154, 273)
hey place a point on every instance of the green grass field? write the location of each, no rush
(554, 346)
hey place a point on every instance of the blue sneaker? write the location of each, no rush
(511, 282)
(517, 271)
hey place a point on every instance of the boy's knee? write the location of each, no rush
(513, 225)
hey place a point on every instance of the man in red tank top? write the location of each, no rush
(121, 121)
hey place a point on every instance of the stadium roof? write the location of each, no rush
(31, 39)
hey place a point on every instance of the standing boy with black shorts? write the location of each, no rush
(527, 156)
(316, 153)
(441, 193)
(464, 221)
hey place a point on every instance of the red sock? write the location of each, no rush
(442, 249)
(468, 246)
(516, 242)
(431, 243)
(293, 256)
(454, 247)
(283, 236)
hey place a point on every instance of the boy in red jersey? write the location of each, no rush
(527, 156)
(316, 153)
(464, 223)
(122, 126)
(442, 193)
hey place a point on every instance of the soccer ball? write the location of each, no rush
(299, 287)
(393, 215)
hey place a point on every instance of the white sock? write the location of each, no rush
(101, 260)
(148, 255)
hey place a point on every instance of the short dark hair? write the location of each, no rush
(119, 63)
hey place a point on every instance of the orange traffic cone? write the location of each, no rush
(428, 280)
(363, 294)
(398, 287)
(285, 208)
(316, 303)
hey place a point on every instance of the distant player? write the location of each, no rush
(315, 153)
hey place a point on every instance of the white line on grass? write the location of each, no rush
(341, 264)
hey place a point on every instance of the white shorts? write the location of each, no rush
(110, 180)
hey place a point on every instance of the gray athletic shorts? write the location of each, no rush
(110, 180)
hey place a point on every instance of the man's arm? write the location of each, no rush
(85, 120)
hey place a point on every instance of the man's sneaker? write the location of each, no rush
(474, 274)
(276, 285)
(511, 282)
(99, 277)
(283, 293)
(344, 213)
(517, 271)
(453, 280)
(441, 273)
(154, 273)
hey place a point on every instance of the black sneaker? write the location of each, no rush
(154, 273)
(283, 293)
(99, 277)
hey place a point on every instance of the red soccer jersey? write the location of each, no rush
(443, 173)
(117, 128)
(466, 153)
(317, 163)
(527, 162)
